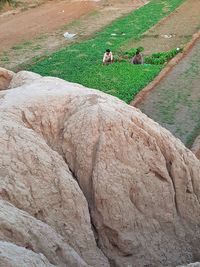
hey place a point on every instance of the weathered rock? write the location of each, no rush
(142, 185)
(196, 147)
(25, 231)
(23, 77)
(35, 178)
(5, 78)
(196, 264)
(15, 256)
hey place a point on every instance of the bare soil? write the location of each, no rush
(42, 19)
(19, 5)
(40, 30)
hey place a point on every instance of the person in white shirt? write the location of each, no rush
(108, 57)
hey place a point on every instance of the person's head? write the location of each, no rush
(107, 51)
(137, 52)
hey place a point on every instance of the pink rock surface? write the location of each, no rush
(80, 160)
(5, 78)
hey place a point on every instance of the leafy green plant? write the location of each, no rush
(163, 57)
(131, 52)
(81, 62)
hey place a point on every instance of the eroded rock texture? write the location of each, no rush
(196, 147)
(23, 77)
(196, 264)
(15, 256)
(26, 231)
(98, 174)
(5, 78)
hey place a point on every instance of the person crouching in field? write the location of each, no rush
(108, 57)
(138, 58)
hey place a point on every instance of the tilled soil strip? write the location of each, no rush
(140, 97)
(175, 101)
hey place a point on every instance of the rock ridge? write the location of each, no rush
(76, 160)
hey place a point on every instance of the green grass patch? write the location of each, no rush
(74, 23)
(23, 45)
(81, 62)
(36, 47)
(94, 13)
(4, 58)
(27, 45)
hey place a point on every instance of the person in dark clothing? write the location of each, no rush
(138, 58)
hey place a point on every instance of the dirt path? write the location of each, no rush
(175, 102)
(173, 31)
(86, 18)
(42, 19)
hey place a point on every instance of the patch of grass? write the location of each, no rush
(74, 23)
(36, 47)
(4, 59)
(198, 27)
(193, 71)
(4, 3)
(17, 47)
(27, 45)
(23, 45)
(41, 37)
(167, 109)
(93, 13)
(120, 79)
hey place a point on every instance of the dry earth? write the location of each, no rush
(19, 5)
(42, 19)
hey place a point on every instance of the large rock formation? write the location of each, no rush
(23, 77)
(100, 174)
(15, 256)
(196, 147)
(196, 264)
(24, 230)
(5, 78)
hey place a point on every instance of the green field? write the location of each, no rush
(82, 62)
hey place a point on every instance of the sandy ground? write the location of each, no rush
(42, 19)
(175, 102)
(40, 30)
(174, 31)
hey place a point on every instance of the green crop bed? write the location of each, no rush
(82, 62)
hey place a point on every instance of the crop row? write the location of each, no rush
(82, 62)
